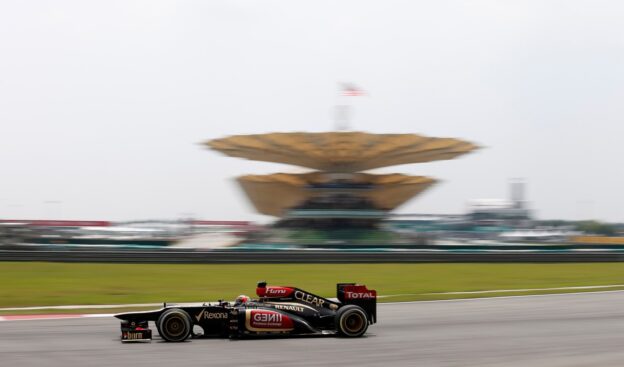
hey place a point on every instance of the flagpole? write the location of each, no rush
(344, 110)
(341, 117)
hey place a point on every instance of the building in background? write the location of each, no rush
(337, 193)
(512, 212)
(484, 218)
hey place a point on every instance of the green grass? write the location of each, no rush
(41, 284)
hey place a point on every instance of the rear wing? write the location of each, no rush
(359, 295)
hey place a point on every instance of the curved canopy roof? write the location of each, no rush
(341, 151)
(275, 194)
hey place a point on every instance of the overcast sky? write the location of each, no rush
(103, 104)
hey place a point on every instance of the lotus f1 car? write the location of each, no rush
(278, 311)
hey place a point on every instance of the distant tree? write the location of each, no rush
(595, 227)
(554, 222)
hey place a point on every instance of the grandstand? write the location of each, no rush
(337, 195)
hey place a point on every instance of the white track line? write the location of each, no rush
(99, 315)
(78, 307)
(509, 290)
(74, 316)
(87, 307)
(50, 317)
(477, 299)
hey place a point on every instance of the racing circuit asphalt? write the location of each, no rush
(556, 330)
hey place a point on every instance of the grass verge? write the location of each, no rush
(39, 284)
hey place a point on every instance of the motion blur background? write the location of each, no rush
(104, 105)
(108, 101)
(481, 136)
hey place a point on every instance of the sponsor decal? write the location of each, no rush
(129, 335)
(265, 320)
(308, 298)
(274, 291)
(360, 295)
(295, 304)
(355, 292)
(206, 315)
(292, 308)
(134, 336)
(270, 292)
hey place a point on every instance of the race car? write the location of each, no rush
(279, 311)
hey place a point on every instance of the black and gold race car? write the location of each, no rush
(278, 311)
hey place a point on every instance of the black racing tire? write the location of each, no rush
(174, 325)
(351, 321)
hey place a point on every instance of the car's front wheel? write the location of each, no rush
(174, 325)
(351, 321)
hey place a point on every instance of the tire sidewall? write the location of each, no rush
(341, 317)
(168, 315)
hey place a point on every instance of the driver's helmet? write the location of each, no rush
(242, 299)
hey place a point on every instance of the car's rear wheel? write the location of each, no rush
(351, 321)
(174, 325)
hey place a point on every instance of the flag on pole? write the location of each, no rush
(350, 90)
